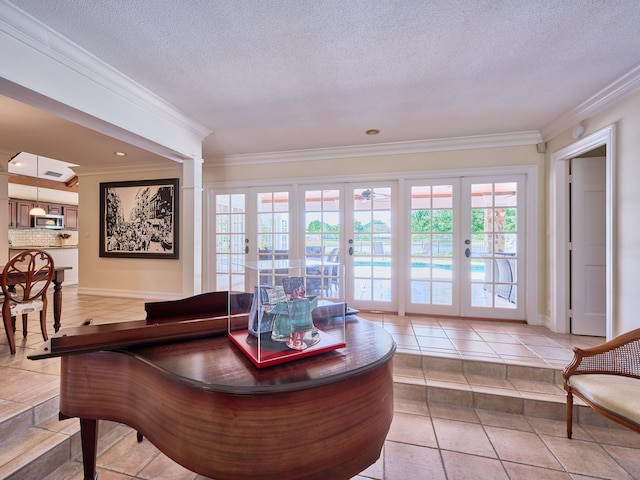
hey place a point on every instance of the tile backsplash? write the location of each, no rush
(41, 237)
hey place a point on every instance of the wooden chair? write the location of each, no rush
(607, 378)
(25, 280)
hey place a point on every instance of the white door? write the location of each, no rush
(231, 243)
(588, 246)
(250, 225)
(434, 264)
(370, 255)
(493, 246)
(323, 221)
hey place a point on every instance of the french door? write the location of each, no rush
(250, 225)
(323, 239)
(433, 245)
(493, 243)
(452, 246)
(466, 247)
(231, 240)
(370, 248)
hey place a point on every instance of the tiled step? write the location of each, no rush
(30, 452)
(33, 454)
(501, 387)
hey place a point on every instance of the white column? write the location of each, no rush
(191, 221)
(4, 213)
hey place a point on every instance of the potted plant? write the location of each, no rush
(64, 237)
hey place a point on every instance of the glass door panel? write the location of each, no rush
(231, 241)
(431, 240)
(322, 242)
(493, 248)
(273, 218)
(369, 269)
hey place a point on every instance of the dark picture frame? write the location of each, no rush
(139, 219)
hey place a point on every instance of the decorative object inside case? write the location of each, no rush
(285, 321)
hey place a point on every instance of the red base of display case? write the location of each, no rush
(248, 344)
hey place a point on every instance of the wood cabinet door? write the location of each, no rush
(23, 219)
(70, 218)
(12, 213)
(54, 209)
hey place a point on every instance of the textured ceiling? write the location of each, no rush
(277, 75)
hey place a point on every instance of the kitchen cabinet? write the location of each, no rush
(53, 209)
(12, 213)
(19, 213)
(70, 217)
(23, 219)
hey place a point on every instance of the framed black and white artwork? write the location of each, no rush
(139, 219)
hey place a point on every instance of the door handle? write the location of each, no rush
(246, 249)
(467, 252)
(351, 251)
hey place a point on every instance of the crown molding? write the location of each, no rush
(125, 103)
(608, 96)
(47, 41)
(395, 148)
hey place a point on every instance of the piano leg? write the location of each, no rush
(89, 436)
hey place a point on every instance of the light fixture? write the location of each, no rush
(37, 210)
(373, 131)
(120, 154)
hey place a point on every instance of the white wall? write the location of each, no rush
(129, 277)
(626, 116)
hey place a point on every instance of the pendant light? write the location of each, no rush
(37, 209)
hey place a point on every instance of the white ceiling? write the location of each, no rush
(281, 75)
(25, 163)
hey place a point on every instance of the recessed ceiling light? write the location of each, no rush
(373, 131)
(120, 154)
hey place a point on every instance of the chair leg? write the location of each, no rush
(9, 326)
(25, 316)
(569, 414)
(43, 324)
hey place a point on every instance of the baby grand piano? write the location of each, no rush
(179, 381)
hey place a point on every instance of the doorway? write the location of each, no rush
(559, 288)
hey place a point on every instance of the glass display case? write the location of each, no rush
(297, 309)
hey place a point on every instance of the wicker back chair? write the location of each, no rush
(599, 374)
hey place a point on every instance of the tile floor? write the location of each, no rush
(425, 441)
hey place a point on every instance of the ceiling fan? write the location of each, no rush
(370, 193)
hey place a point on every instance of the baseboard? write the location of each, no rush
(129, 294)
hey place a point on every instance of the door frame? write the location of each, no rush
(559, 223)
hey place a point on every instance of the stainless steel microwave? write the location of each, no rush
(48, 221)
